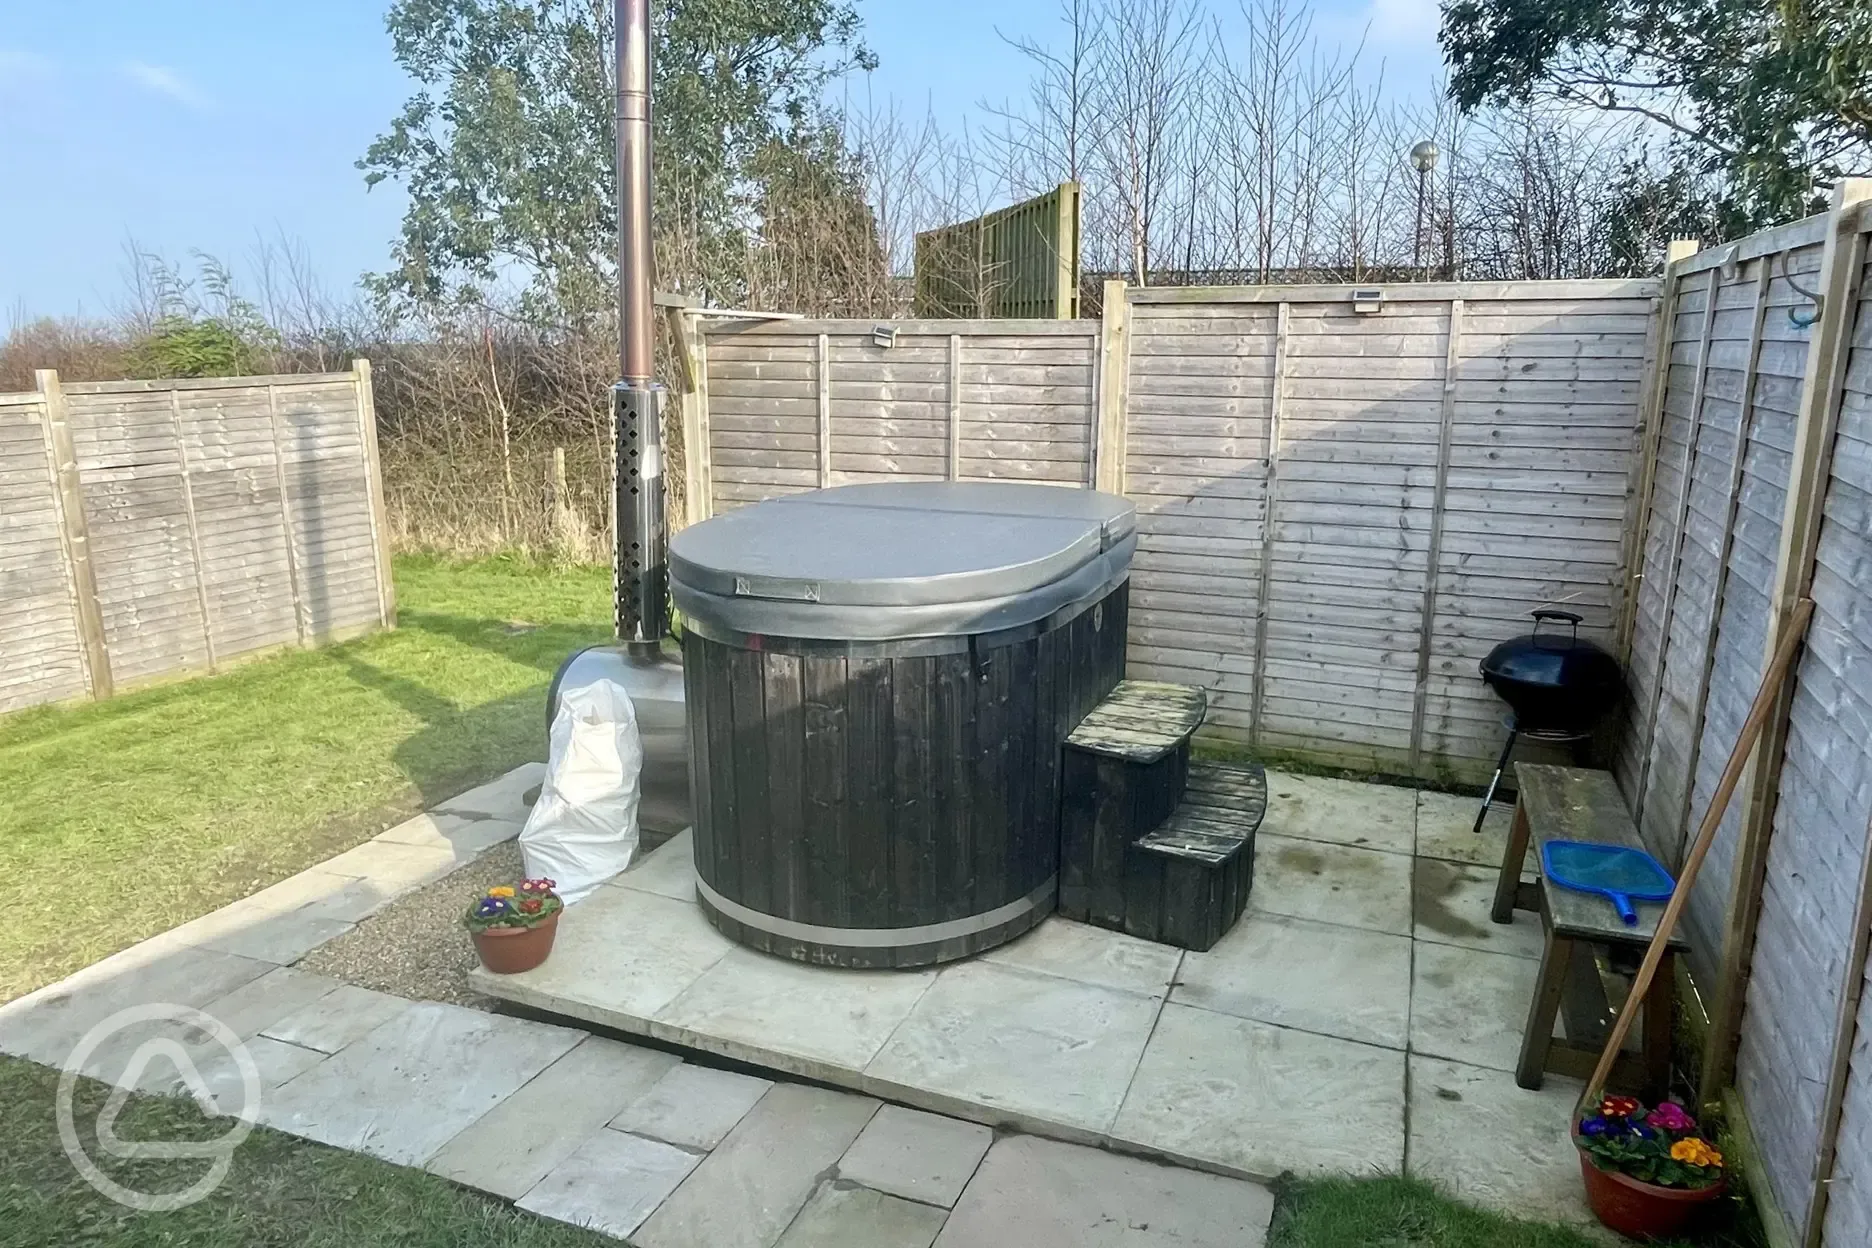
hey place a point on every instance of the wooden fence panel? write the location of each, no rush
(1779, 918)
(207, 520)
(41, 654)
(1299, 470)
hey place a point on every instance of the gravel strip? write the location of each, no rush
(416, 946)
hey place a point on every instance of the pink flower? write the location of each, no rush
(1670, 1116)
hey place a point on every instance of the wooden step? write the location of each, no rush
(1122, 774)
(1187, 882)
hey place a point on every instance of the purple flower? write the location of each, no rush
(1670, 1116)
(490, 907)
(1643, 1132)
(1595, 1126)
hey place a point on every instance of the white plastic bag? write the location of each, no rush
(583, 829)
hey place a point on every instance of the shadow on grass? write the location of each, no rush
(457, 748)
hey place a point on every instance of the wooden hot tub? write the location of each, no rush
(879, 679)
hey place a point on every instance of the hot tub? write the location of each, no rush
(878, 679)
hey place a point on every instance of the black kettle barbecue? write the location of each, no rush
(1558, 687)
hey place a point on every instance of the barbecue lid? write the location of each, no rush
(1552, 659)
(905, 559)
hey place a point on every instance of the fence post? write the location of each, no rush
(1277, 391)
(955, 407)
(1420, 703)
(692, 358)
(825, 409)
(285, 510)
(1651, 427)
(373, 479)
(75, 534)
(1108, 471)
(194, 527)
(1841, 259)
(1693, 435)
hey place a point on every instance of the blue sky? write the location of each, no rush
(210, 123)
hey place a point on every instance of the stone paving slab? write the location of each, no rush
(1446, 829)
(274, 1061)
(1091, 955)
(692, 1106)
(394, 868)
(842, 1215)
(462, 836)
(345, 1014)
(1033, 1193)
(417, 1081)
(501, 798)
(1258, 1100)
(1332, 884)
(1343, 812)
(804, 1020)
(919, 1156)
(518, 1142)
(611, 1183)
(1470, 1005)
(1322, 977)
(619, 957)
(1033, 1051)
(1451, 907)
(1486, 1141)
(259, 1003)
(45, 1026)
(668, 870)
(750, 1188)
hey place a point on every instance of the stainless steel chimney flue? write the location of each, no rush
(636, 401)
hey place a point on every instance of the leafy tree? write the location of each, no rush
(506, 148)
(1773, 97)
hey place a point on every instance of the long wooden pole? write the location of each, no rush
(1765, 699)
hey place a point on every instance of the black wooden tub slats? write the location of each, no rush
(884, 794)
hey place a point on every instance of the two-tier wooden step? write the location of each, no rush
(1136, 853)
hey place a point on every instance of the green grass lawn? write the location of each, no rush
(1408, 1213)
(153, 808)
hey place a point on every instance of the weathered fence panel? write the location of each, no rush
(1344, 511)
(1300, 468)
(1761, 494)
(158, 527)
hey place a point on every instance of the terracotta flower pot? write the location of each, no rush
(510, 950)
(1642, 1210)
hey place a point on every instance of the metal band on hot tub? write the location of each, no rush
(880, 937)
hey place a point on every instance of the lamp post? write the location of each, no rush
(1423, 157)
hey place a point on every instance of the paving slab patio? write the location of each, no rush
(1285, 1047)
(916, 1155)
(411, 1085)
(525, 1137)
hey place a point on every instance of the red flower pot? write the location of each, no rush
(510, 950)
(1642, 1210)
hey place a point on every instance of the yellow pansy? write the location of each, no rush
(502, 891)
(1694, 1152)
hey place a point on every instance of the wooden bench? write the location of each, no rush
(1134, 855)
(1574, 804)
